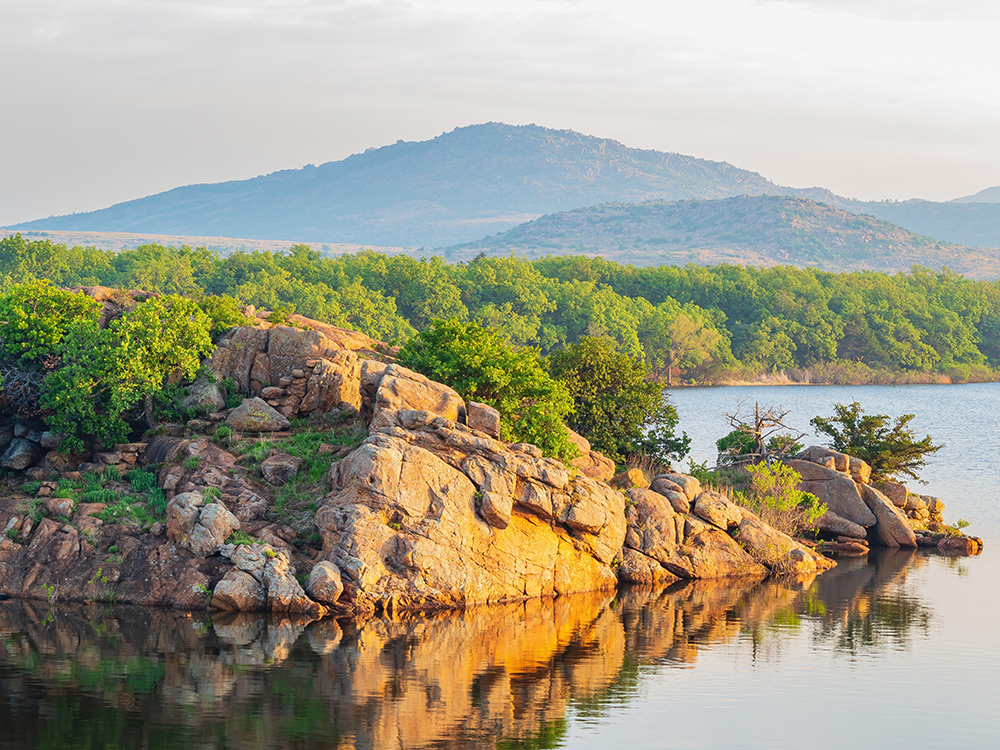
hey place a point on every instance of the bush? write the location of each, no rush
(482, 365)
(739, 445)
(101, 373)
(614, 404)
(773, 496)
(891, 450)
(223, 311)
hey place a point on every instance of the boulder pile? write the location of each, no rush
(861, 513)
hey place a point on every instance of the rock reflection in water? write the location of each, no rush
(135, 677)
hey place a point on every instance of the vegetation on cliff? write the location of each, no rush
(482, 365)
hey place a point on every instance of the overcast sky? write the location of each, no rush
(103, 101)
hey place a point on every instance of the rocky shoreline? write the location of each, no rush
(431, 510)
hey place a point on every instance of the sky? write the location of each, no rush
(104, 101)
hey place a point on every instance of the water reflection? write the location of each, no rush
(488, 677)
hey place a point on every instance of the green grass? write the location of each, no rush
(240, 537)
(100, 496)
(130, 509)
(140, 480)
(30, 488)
(296, 502)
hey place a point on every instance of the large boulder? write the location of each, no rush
(400, 389)
(316, 365)
(324, 583)
(831, 459)
(896, 492)
(255, 415)
(831, 523)
(657, 537)
(628, 479)
(717, 510)
(840, 493)
(892, 528)
(200, 528)
(239, 591)
(280, 468)
(674, 492)
(20, 454)
(432, 513)
(273, 570)
(484, 418)
(594, 465)
(778, 551)
(204, 395)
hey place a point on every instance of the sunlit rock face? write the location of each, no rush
(431, 513)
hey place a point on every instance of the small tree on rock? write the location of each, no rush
(890, 448)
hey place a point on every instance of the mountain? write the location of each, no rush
(454, 188)
(989, 195)
(760, 230)
(475, 181)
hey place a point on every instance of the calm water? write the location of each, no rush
(896, 651)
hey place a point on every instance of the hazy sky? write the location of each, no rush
(107, 100)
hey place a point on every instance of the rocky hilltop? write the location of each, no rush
(424, 508)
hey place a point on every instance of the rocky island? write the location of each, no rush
(422, 505)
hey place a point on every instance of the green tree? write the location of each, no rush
(674, 337)
(104, 372)
(482, 365)
(34, 317)
(614, 402)
(890, 448)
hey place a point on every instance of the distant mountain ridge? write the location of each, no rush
(475, 181)
(989, 195)
(746, 230)
(456, 187)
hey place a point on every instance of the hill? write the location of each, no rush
(759, 231)
(454, 188)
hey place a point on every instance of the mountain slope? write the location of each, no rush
(761, 230)
(457, 187)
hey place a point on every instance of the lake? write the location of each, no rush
(898, 650)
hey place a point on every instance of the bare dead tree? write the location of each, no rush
(757, 428)
(19, 389)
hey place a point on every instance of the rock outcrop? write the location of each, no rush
(888, 515)
(302, 371)
(432, 510)
(431, 513)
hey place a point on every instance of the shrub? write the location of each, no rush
(614, 403)
(481, 364)
(890, 449)
(240, 537)
(773, 496)
(104, 372)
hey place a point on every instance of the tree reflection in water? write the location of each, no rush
(489, 677)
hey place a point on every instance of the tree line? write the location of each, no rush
(695, 323)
